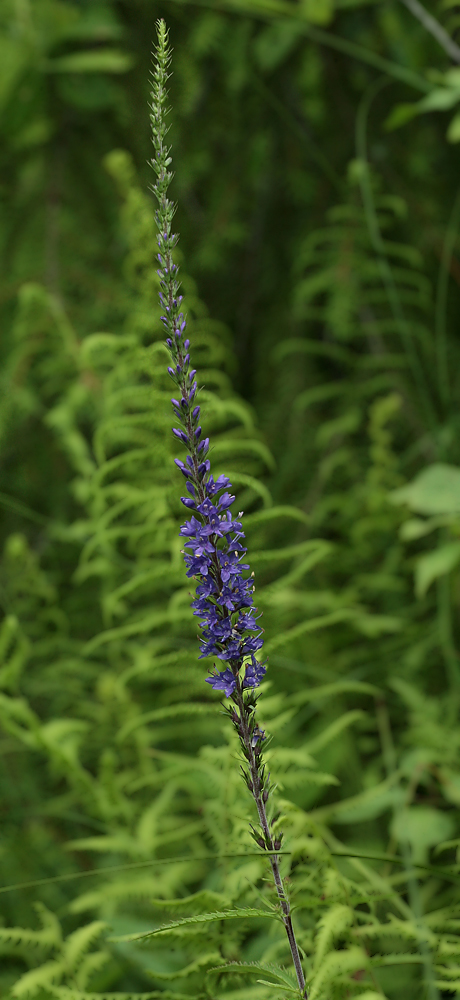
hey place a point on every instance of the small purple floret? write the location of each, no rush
(258, 734)
(255, 673)
(225, 681)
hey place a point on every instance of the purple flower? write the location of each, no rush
(258, 734)
(247, 622)
(213, 487)
(191, 528)
(255, 673)
(252, 644)
(197, 567)
(222, 627)
(225, 681)
(206, 589)
(232, 651)
(230, 565)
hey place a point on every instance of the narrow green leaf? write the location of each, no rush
(435, 564)
(291, 989)
(92, 61)
(453, 132)
(435, 490)
(201, 918)
(277, 971)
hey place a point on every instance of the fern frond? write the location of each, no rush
(49, 936)
(67, 993)
(331, 925)
(282, 976)
(203, 961)
(44, 977)
(401, 958)
(200, 918)
(331, 732)
(274, 514)
(169, 712)
(311, 625)
(337, 964)
(89, 966)
(78, 943)
(204, 897)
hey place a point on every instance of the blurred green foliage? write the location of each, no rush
(318, 206)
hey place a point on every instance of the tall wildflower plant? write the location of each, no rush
(213, 539)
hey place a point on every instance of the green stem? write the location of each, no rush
(378, 246)
(245, 736)
(446, 638)
(441, 301)
(434, 28)
(389, 758)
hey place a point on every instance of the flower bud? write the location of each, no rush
(180, 435)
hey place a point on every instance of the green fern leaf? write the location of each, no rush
(78, 943)
(333, 730)
(203, 961)
(42, 978)
(204, 897)
(67, 993)
(368, 995)
(401, 958)
(275, 514)
(311, 625)
(334, 922)
(335, 964)
(281, 975)
(169, 712)
(201, 918)
(49, 936)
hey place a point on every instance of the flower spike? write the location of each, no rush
(213, 550)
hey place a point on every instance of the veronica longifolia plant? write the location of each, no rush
(214, 549)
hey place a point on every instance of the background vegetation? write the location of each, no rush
(318, 206)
